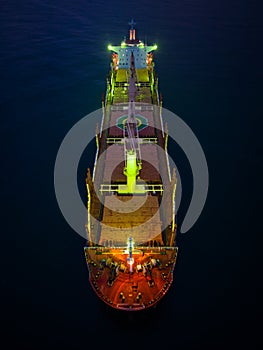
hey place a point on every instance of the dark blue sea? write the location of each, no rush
(53, 65)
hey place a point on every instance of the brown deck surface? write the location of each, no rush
(114, 164)
(142, 224)
(120, 95)
(144, 95)
(115, 131)
(136, 290)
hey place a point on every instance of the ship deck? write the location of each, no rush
(149, 281)
(143, 223)
(120, 217)
(112, 167)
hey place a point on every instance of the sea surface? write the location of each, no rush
(53, 65)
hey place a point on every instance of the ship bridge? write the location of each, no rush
(122, 53)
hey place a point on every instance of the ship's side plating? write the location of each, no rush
(131, 249)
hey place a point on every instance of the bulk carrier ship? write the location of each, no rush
(131, 247)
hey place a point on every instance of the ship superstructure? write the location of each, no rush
(131, 249)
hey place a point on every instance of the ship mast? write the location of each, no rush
(132, 30)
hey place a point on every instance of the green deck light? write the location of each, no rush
(155, 47)
(131, 171)
(110, 47)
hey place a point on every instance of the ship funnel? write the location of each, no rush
(132, 30)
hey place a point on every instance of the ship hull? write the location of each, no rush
(131, 249)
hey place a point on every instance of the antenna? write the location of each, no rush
(132, 23)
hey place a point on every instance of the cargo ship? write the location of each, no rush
(131, 223)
